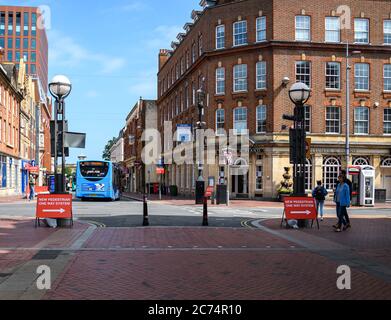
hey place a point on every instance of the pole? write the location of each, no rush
(228, 173)
(145, 211)
(63, 148)
(205, 221)
(56, 183)
(347, 107)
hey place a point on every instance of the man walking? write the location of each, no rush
(320, 193)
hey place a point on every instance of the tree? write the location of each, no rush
(106, 152)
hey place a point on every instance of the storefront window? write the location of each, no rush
(3, 172)
(331, 171)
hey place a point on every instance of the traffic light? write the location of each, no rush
(297, 148)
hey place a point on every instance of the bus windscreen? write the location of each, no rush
(94, 169)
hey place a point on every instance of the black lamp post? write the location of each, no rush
(299, 95)
(60, 88)
(200, 184)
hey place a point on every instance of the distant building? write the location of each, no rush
(23, 36)
(138, 175)
(117, 150)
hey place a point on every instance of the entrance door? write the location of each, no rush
(239, 186)
(387, 186)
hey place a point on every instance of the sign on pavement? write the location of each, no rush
(300, 208)
(54, 206)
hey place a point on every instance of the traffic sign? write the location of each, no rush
(160, 171)
(209, 192)
(300, 208)
(54, 206)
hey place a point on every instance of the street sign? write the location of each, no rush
(54, 206)
(209, 192)
(300, 208)
(160, 171)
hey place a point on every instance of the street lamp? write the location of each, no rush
(200, 184)
(348, 68)
(60, 88)
(299, 95)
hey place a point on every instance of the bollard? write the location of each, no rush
(145, 209)
(205, 222)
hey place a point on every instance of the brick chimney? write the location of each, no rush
(164, 55)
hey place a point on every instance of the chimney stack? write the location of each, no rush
(163, 57)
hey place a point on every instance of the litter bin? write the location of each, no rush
(173, 191)
(380, 195)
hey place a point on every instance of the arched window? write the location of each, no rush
(361, 161)
(386, 163)
(331, 171)
(308, 175)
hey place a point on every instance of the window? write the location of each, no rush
(361, 120)
(307, 118)
(259, 175)
(361, 76)
(200, 47)
(2, 42)
(331, 171)
(33, 24)
(333, 75)
(240, 120)
(261, 29)
(361, 30)
(333, 28)
(220, 81)
(17, 43)
(303, 27)
(387, 31)
(25, 24)
(387, 121)
(387, 77)
(261, 75)
(261, 119)
(333, 120)
(220, 37)
(360, 161)
(10, 23)
(25, 56)
(193, 53)
(303, 72)
(308, 175)
(3, 172)
(10, 56)
(25, 43)
(240, 33)
(18, 21)
(220, 121)
(33, 57)
(17, 56)
(10, 43)
(2, 23)
(240, 77)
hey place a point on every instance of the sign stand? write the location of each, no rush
(300, 208)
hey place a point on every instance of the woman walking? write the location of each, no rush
(320, 193)
(342, 200)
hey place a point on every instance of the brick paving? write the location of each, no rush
(202, 263)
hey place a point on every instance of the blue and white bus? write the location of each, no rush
(98, 180)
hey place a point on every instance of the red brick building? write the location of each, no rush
(250, 52)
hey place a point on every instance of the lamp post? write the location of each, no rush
(299, 95)
(60, 87)
(348, 68)
(200, 185)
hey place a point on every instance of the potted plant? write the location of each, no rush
(285, 188)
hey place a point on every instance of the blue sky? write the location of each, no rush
(109, 50)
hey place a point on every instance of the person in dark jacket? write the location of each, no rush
(319, 194)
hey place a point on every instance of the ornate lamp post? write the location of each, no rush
(60, 88)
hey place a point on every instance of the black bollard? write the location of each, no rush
(205, 222)
(145, 206)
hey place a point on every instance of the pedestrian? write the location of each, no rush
(32, 187)
(342, 200)
(320, 193)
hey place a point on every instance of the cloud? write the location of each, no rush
(67, 53)
(163, 36)
(92, 94)
(145, 86)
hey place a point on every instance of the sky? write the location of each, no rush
(109, 50)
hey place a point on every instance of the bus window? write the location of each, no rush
(94, 169)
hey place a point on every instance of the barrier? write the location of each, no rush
(54, 206)
(300, 208)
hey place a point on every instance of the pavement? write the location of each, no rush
(109, 256)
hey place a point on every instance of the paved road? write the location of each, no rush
(129, 213)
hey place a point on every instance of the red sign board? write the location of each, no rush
(209, 192)
(160, 171)
(298, 208)
(54, 206)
